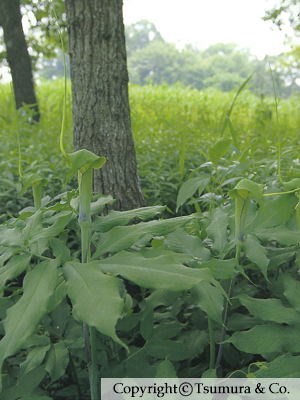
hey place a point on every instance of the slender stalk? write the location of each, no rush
(212, 343)
(85, 189)
(227, 309)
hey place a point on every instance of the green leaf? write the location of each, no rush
(26, 385)
(57, 361)
(123, 237)
(166, 330)
(292, 291)
(59, 249)
(240, 322)
(33, 226)
(23, 318)
(146, 326)
(210, 373)
(162, 272)
(256, 253)
(122, 218)
(210, 300)
(217, 230)
(166, 370)
(34, 359)
(189, 187)
(59, 225)
(98, 205)
(270, 310)
(279, 211)
(95, 297)
(82, 160)
(246, 188)
(281, 234)
(267, 339)
(181, 242)
(216, 152)
(11, 237)
(221, 269)
(285, 366)
(196, 341)
(13, 268)
(171, 349)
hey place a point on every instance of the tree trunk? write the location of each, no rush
(101, 114)
(17, 55)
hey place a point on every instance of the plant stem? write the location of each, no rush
(211, 343)
(227, 309)
(93, 370)
(84, 219)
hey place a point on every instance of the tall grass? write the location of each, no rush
(172, 128)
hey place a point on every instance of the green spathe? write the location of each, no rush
(81, 161)
(245, 189)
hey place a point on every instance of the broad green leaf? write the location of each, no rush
(13, 268)
(138, 366)
(122, 218)
(221, 269)
(34, 359)
(11, 237)
(57, 361)
(181, 242)
(270, 310)
(166, 330)
(246, 188)
(216, 152)
(189, 187)
(209, 373)
(292, 291)
(150, 252)
(166, 370)
(59, 294)
(53, 230)
(26, 386)
(122, 237)
(267, 339)
(209, 299)
(170, 349)
(59, 249)
(196, 341)
(279, 211)
(6, 254)
(23, 318)
(33, 226)
(239, 322)
(98, 205)
(162, 272)
(217, 230)
(256, 253)
(281, 234)
(146, 326)
(95, 297)
(81, 160)
(285, 366)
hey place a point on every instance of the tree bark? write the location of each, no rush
(101, 114)
(17, 55)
